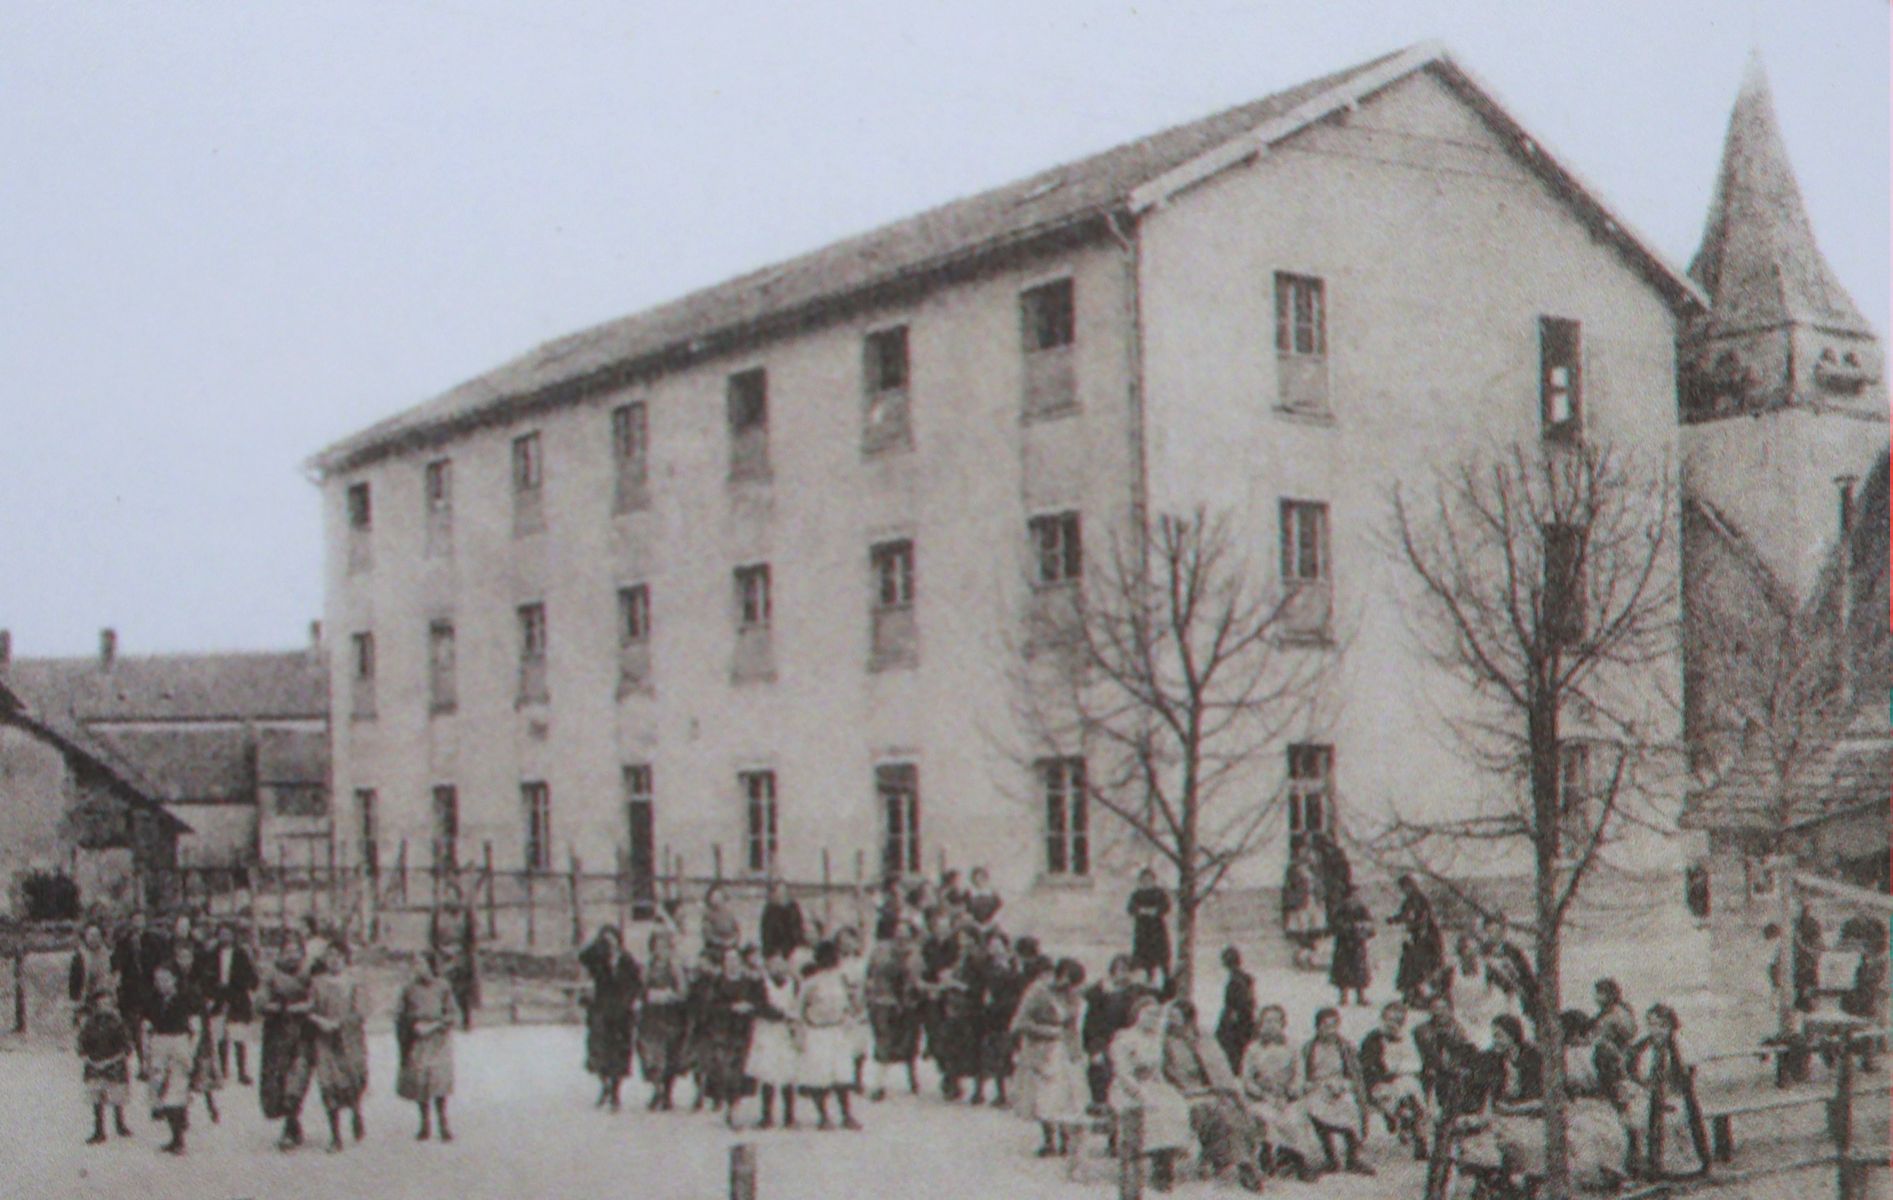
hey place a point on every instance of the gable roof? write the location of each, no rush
(76, 743)
(179, 765)
(1758, 260)
(176, 687)
(1074, 202)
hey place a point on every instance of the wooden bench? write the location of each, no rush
(1720, 1112)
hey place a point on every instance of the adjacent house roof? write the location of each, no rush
(176, 687)
(292, 757)
(1759, 261)
(185, 765)
(1070, 202)
(78, 745)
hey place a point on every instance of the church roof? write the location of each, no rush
(1759, 261)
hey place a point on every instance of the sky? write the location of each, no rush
(233, 232)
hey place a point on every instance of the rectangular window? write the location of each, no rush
(1067, 816)
(1565, 596)
(1058, 544)
(748, 400)
(1048, 328)
(1304, 540)
(634, 614)
(884, 370)
(532, 652)
(892, 631)
(1560, 386)
(759, 805)
(1310, 787)
(630, 445)
(893, 574)
(368, 827)
(437, 490)
(529, 514)
(362, 675)
(447, 825)
(898, 787)
(641, 819)
(361, 519)
(753, 604)
(1046, 313)
(536, 799)
(442, 684)
(1301, 316)
(634, 639)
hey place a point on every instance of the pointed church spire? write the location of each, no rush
(1758, 260)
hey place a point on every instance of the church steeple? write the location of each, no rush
(1781, 328)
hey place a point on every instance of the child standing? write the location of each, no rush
(105, 1048)
(775, 1044)
(175, 1026)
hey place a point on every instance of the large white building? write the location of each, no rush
(732, 579)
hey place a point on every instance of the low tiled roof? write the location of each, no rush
(186, 765)
(74, 740)
(292, 757)
(176, 687)
(1062, 202)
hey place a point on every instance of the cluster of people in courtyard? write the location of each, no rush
(171, 1007)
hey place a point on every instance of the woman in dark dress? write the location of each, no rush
(1149, 909)
(720, 1017)
(616, 986)
(1236, 1028)
(663, 1028)
(939, 962)
(1424, 951)
(1353, 926)
(287, 1056)
(784, 931)
(1000, 987)
(960, 1005)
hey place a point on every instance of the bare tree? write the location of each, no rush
(1172, 672)
(1546, 589)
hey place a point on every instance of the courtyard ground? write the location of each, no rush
(525, 1126)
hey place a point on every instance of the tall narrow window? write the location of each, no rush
(447, 826)
(898, 786)
(1310, 787)
(894, 635)
(759, 807)
(634, 638)
(361, 523)
(641, 821)
(368, 828)
(533, 685)
(1565, 598)
(1307, 582)
(1560, 385)
(1048, 328)
(362, 675)
(755, 648)
(443, 689)
(1058, 547)
(437, 489)
(529, 514)
(748, 400)
(630, 448)
(1067, 816)
(1301, 318)
(1301, 343)
(884, 370)
(536, 800)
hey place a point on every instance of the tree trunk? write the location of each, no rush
(1548, 827)
(1184, 971)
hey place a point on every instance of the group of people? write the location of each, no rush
(172, 1007)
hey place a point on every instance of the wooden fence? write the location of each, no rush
(528, 910)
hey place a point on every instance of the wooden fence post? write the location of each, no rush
(621, 884)
(578, 917)
(1130, 1154)
(742, 1171)
(860, 867)
(372, 876)
(1841, 1120)
(492, 917)
(19, 987)
(828, 897)
(333, 904)
(716, 862)
(312, 877)
(282, 883)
